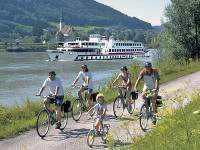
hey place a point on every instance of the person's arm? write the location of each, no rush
(138, 81)
(76, 79)
(56, 91)
(40, 91)
(113, 84)
(129, 79)
(91, 110)
(42, 88)
(157, 81)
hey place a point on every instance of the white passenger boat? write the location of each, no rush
(96, 48)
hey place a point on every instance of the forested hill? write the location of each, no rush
(76, 12)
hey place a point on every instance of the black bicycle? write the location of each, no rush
(79, 105)
(46, 118)
(146, 110)
(121, 102)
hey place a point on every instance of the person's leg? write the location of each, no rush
(59, 102)
(47, 103)
(80, 91)
(89, 98)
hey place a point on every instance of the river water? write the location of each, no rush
(22, 74)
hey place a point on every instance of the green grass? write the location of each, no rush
(20, 118)
(180, 130)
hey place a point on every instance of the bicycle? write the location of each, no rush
(79, 105)
(146, 110)
(93, 133)
(121, 102)
(46, 118)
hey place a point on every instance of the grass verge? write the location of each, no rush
(179, 130)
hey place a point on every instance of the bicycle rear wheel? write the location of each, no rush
(143, 117)
(43, 122)
(77, 109)
(118, 107)
(90, 137)
(64, 119)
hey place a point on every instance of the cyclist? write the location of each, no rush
(86, 76)
(56, 90)
(125, 76)
(151, 81)
(100, 108)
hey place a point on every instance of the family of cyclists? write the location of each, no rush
(149, 75)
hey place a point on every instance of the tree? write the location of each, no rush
(181, 25)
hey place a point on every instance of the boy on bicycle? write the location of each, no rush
(151, 81)
(100, 108)
(56, 91)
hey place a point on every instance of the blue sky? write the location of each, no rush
(151, 11)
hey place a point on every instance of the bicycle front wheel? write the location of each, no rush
(90, 137)
(76, 110)
(43, 122)
(64, 119)
(118, 107)
(104, 135)
(143, 117)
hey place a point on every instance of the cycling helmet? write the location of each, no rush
(83, 66)
(147, 64)
(99, 95)
(52, 73)
(123, 68)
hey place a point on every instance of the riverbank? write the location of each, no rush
(21, 118)
(23, 47)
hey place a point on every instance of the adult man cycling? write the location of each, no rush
(125, 76)
(86, 76)
(56, 90)
(151, 81)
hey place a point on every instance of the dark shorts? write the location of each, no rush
(58, 100)
(88, 89)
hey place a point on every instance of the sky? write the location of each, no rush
(151, 11)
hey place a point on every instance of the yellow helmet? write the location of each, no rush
(99, 95)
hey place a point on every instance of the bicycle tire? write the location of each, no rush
(143, 117)
(104, 136)
(64, 120)
(118, 105)
(76, 110)
(91, 134)
(44, 116)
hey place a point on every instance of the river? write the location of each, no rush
(22, 74)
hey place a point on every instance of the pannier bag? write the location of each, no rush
(66, 106)
(94, 95)
(134, 95)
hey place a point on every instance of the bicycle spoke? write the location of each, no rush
(64, 120)
(143, 117)
(43, 122)
(76, 110)
(118, 107)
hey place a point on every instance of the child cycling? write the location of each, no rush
(100, 109)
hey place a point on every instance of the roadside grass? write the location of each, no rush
(179, 130)
(20, 118)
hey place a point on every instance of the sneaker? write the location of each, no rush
(58, 124)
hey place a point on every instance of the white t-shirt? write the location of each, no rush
(99, 108)
(84, 76)
(52, 84)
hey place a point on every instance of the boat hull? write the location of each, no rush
(55, 55)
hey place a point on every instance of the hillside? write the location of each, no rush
(20, 16)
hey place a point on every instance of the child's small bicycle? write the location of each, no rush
(93, 133)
